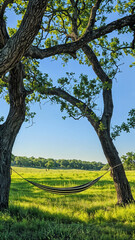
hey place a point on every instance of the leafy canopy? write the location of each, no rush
(65, 22)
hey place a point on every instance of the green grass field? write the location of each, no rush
(37, 215)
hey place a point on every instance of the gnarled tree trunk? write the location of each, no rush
(124, 195)
(10, 129)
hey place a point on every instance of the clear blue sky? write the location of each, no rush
(52, 137)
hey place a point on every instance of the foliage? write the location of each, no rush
(55, 164)
(58, 27)
(108, 50)
(35, 214)
(83, 89)
(106, 167)
(126, 127)
(128, 161)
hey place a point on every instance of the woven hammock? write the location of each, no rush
(66, 191)
(63, 191)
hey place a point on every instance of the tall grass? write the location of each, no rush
(92, 214)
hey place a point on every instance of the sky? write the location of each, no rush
(52, 137)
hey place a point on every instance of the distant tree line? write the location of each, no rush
(128, 161)
(55, 164)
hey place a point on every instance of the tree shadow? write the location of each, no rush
(26, 223)
(35, 223)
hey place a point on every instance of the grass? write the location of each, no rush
(91, 215)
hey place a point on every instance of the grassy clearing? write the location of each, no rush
(35, 214)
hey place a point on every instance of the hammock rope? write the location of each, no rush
(69, 190)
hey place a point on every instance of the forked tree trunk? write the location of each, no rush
(10, 129)
(124, 195)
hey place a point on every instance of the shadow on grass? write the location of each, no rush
(32, 223)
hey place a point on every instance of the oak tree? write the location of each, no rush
(77, 96)
(52, 28)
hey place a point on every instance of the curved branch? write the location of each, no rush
(107, 90)
(87, 37)
(115, 25)
(93, 16)
(16, 46)
(95, 64)
(86, 111)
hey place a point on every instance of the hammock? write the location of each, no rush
(65, 191)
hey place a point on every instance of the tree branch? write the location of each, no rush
(4, 6)
(79, 43)
(3, 31)
(107, 92)
(133, 42)
(3, 34)
(16, 46)
(95, 64)
(86, 111)
(74, 34)
(93, 16)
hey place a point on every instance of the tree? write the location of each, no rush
(37, 37)
(129, 160)
(50, 163)
(80, 101)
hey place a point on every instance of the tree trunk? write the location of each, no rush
(5, 156)
(10, 129)
(124, 195)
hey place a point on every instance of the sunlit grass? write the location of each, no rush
(91, 214)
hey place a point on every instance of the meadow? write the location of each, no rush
(91, 215)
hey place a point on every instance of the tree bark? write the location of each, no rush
(10, 129)
(18, 44)
(4, 174)
(124, 195)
